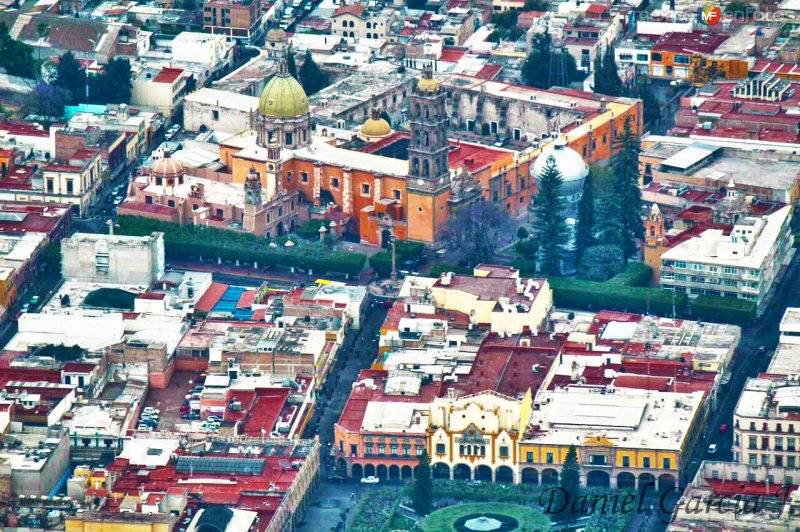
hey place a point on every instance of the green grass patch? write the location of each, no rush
(527, 518)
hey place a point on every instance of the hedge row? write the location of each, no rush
(723, 309)
(635, 274)
(575, 293)
(210, 242)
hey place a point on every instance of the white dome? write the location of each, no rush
(568, 161)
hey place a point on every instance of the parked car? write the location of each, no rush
(370, 480)
(214, 418)
(151, 410)
(712, 449)
(338, 479)
(34, 300)
(192, 416)
(145, 428)
(723, 427)
(25, 308)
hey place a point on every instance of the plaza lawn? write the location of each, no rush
(528, 519)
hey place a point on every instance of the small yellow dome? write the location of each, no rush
(376, 128)
(428, 85)
(283, 97)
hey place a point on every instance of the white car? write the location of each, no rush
(145, 428)
(370, 480)
(151, 410)
(712, 449)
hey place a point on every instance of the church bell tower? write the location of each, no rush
(428, 183)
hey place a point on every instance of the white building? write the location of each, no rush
(219, 111)
(745, 264)
(113, 259)
(215, 51)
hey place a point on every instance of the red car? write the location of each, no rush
(723, 427)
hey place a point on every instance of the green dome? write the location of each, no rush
(283, 97)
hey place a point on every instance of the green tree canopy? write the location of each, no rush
(71, 77)
(536, 71)
(16, 57)
(600, 263)
(474, 234)
(570, 478)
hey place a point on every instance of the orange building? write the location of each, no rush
(383, 427)
(404, 185)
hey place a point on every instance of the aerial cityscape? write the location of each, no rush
(399, 265)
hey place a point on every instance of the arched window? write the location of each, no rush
(426, 168)
(415, 166)
(427, 139)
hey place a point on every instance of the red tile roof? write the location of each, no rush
(354, 9)
(168, 75)
(489, 72)
(695, 41)
(211, 297)
(265, 411)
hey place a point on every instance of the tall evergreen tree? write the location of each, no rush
(584, 229)
(570, 478)
(291, 65)
(422, 494)
(71, 77)
(606, 76)
(312, 78)
(626, 168)
(551, 227)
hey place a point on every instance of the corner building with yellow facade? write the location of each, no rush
(625, 438)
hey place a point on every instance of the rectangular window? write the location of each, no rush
(397, 194)
(646, 462)
(549, 458)
(49, 185)
(752, 442)
(440, 448)
(790, 444)
(626, 461)
(779, 443)
(730, 270)
(406, 449)
(364, 189)
(779, 461)
(529, 457)
(368, 449)
(289, 176)
(667, 463)
(503, 451)
(381, 449)
(335, 182)
(753, 459)
(215, 115)
(790, 461)
(681, 60)
(655, 57)
(70, 186)
(148, 200)
(420, 450)
(598, 459)
(393, 449)
(641, 57)
(353, 449)
(304, 177)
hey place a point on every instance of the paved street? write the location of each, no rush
(357, 353)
